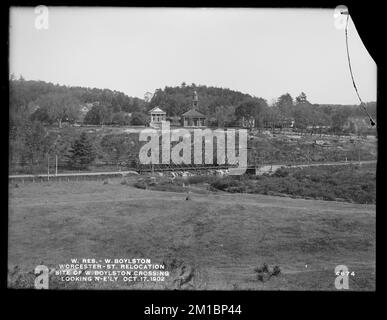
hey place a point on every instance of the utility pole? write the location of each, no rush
(48, 167)
(56, 165)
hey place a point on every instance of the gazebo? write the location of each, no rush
(157, 116)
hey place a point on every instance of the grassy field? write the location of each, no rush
(222, 236)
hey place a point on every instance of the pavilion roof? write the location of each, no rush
(193, 114)
(157, 110)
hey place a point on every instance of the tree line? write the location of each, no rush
(224, 107)
(35, 104)
(53, 104)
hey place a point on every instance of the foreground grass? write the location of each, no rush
(224, 237)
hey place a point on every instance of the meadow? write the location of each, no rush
(222, 236)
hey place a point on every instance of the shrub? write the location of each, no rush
(263, 268)
(329, 197)
(220, 184)
(264, 273)
(281, 172)
(139, 118)
(199, 179)
(140, 184)
(276, 271)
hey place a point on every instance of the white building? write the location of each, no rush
(157, 116)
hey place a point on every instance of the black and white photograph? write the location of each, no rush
(191, 149)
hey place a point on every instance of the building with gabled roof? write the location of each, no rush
(193, 118)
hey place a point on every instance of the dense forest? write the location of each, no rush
(60, 103)
(54, 104)
(177, 100)
(225, 107)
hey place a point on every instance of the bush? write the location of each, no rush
(220, 184)
(263, 268)
(276, 271)
(264, 273)
(323, 182)
(139, 118)
(140, 184)
(281, 172)
(329, 197)
(223, 183)
(198, 179)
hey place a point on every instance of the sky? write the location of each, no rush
(262, 52)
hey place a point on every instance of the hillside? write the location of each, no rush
(27, 96)
(177, 100)
(24, 95)
(220, 104)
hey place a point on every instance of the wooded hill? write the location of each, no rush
(51, 103)
(25, 95)
(31, 140)
(177, 100)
